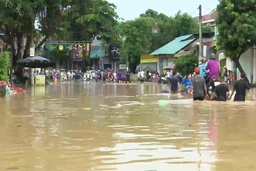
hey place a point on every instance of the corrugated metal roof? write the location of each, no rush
(174, 46)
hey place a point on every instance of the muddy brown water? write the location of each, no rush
(90, 127)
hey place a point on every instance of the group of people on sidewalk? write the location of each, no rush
(198, 88)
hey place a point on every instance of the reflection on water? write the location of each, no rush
(77, 127)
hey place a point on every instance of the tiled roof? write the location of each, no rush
(174, 46)
(206, 17)
(212, 16)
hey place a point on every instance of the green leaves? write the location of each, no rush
(5, 63)
(236, 26)
(185, 64)
(97, 17)
(152, 30)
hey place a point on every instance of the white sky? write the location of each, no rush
(130, 9)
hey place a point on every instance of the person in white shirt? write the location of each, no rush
(114, 75)
(168, 74)
(142, 74)
(68, 75)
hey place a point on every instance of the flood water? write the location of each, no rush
(90, 127)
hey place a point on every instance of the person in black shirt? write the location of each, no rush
(240, 87)
(174, 83)
(222, 90)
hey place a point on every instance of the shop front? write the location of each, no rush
(148, 62)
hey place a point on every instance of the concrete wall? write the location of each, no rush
(248, 62)
(245, 61)
(163, 61)
(152, 66)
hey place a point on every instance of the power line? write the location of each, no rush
(193, 11)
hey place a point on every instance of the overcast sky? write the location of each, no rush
(130, 9)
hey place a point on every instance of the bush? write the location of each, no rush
(5, 63)
(186, 64)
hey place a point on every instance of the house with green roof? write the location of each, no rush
(179, 46)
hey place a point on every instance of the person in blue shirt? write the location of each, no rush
(184, 80)
(42, 72)
(188, 83)
(202, 67)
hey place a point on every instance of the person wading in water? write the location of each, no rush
(240, 87)
(198, 87)
(174, 83)
(222, 90)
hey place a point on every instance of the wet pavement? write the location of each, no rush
(90, 127)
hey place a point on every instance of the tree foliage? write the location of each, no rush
(137, 34)
(185, 64)
(236, 27)
(152, 30)
(89, 18)
(4, 66)
(17, 19)
(73, 20)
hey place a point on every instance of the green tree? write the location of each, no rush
(89, 18)
(184, 24)
(17, 19)
(208, 29)
(4, 66)
(163, 28)
(236, 28)
(186, 64)
(137, 34)
(152, 30)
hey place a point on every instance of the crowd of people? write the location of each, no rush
(197, 85)
(53, 75)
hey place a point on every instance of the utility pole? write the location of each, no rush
(200, 56)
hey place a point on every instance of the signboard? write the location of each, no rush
(61, 47)
(40, 80)
(69, 46)
(148, 59)
(78, 55)
(122, 66)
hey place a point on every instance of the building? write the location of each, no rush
(208, 20)
(105, 56)
(179, 46)
(97, 54)
(148, 62)
(114, 56)
(247, 60)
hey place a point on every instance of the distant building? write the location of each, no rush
(208, 20)
(105, 56)
(182, 45)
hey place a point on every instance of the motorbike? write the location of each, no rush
(214, 81)
(165, 80)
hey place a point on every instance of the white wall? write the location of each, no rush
(245, 61)
(229, 62)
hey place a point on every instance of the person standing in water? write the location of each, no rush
(119, 76)
(174, 83)
(198, 87)
(222, 90)
(240, 87)
(127, 80)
